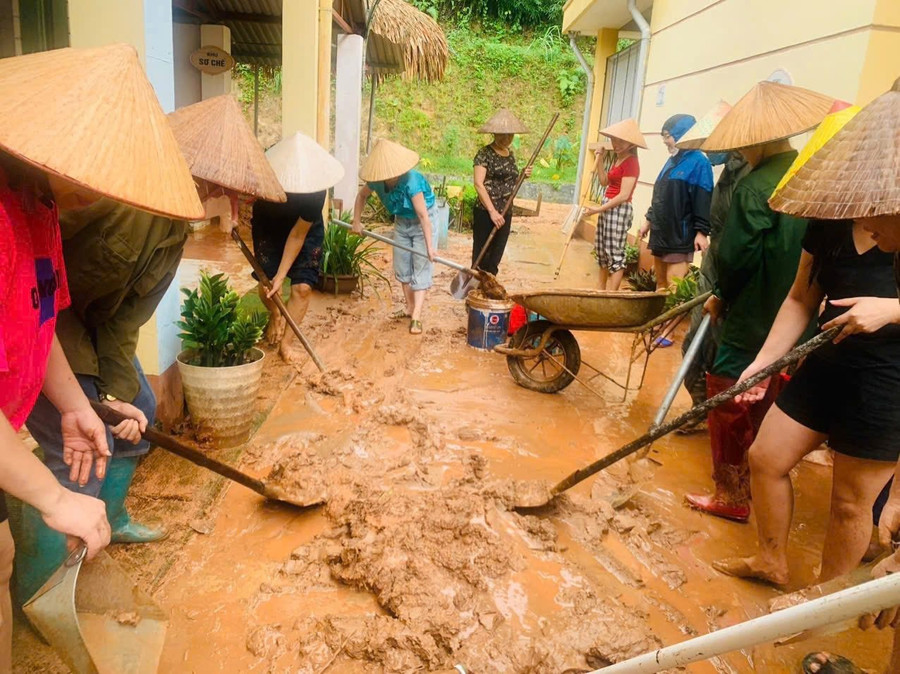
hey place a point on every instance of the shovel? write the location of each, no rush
(540, 500)
(465, 281)
(195, 456)
(390, 241)
(267, 284)
(105, 625)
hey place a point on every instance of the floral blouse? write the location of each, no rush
(502, 173)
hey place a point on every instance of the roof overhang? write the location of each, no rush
(588, 17)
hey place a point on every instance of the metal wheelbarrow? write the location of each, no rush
(544, 355)
(97, 620)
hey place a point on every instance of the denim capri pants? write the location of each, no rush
(415, 270)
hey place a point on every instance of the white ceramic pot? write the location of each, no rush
(222, 400)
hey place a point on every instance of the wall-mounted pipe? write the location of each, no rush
(586, 122)
(644, 48)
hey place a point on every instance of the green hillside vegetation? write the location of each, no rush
(535, 75)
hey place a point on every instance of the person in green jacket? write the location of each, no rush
(757, 259)
(120, 262)
(735, 167)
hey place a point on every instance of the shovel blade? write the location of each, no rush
(462, 284)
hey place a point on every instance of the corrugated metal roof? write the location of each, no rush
(256, 31)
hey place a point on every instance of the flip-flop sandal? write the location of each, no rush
(415, 327)
(663, 342)
(399, 315)
(835, 664)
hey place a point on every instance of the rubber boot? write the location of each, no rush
(119, 475)
(40, 551)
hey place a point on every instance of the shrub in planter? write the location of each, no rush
(220, 366)
(346, 261)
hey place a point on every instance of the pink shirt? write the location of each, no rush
(33, 291)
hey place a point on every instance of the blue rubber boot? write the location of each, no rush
(40, 551)
(119, 475)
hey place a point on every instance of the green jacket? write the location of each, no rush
(119, 263)
(758, 256)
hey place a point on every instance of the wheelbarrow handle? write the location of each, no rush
(388, 240)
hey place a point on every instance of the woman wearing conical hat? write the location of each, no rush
(495, 177)
(389, 172)
(50, 158)
(847, 392)
(616, 212)
(288, 236)
(759, 251)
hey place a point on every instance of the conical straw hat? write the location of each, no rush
(302, 166)
(387, 160)
(768, 112)
(503, 121)
(627, 130)
(91, 117)
(220, 147)
(856, 174)
(832, 123)
(693, 139)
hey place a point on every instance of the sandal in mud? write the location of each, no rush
(415, 327)
(828, 664)
(399, 315)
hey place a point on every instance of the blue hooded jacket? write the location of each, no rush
(681, 196)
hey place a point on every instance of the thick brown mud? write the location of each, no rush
(418, 560)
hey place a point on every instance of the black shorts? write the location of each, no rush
(858, 408)
(268, 251)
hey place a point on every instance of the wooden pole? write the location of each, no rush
(371, 113)
(256, 101)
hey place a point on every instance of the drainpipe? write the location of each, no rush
(586, 122)
(644, 27)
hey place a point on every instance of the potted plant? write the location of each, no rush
(220, 365)
(346, 261)
(632, 258)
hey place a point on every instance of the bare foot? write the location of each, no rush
(291, 355)
(826, 663)
(275, 331)
(752, 568)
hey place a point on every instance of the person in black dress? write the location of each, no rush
(495, 178)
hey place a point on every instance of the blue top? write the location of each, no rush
(398, 201)
(681, 201)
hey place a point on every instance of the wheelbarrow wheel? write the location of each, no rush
(551, 370)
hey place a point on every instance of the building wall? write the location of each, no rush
(94, 23)
(704, 50)
(187, 78)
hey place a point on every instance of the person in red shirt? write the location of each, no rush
(616, 212)
(33, 291)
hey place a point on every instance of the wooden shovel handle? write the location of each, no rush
(695, 412)
(112, 417)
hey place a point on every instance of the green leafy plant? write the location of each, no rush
(564, 153)
(347, 254)
(684, 289)
(214, 331)
(643, 280)
(570, 83)
(632, 253)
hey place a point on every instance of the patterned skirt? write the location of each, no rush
(612, 233)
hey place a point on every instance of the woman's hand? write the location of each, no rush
(357, 225)
(498, 219)
(130, 429)
(714, 307)
(889, 617)
(277, 284)
(645, 229)
(866, 315)
(701, 243)
(593, 210)
(756, 393)
(432, 253)
(527, 171)
(83, 440)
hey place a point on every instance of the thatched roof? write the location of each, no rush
(400, 33)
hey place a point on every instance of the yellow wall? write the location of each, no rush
(94, 23)
(299, 77)
(704, 50)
